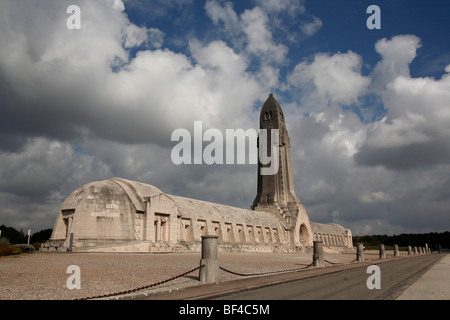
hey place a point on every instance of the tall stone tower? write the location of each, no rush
(276, 192)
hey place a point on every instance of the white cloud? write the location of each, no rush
(225, 14)
(334, 79)
(374, 197)
(249, 31)
(415, 131)
(294, 6)
(102, 91)
(396, 55)
(312, 27)
(260, 41)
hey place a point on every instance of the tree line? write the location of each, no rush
(15, 236)
(433, 239)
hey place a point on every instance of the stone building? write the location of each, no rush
(123, 215)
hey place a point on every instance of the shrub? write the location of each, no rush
(37, 246)
(5, 251)
(4, 242)
(16, 250)
(27, 248)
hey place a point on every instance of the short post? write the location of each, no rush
(382, 251)
(426, 248)
(318, 256)
(415, 250)
(209, 264)
(409, 251)
(360, 252)
(396, 252)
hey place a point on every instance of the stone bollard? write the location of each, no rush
(409, 251)
(426, 248)
(318, 256)
(396, 252)
(382, 251)
(360, 252)
(209, 264)
(415, 250)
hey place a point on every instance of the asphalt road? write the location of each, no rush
(395, 276)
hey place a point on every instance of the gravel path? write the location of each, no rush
(43, 276)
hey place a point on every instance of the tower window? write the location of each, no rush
(268, 115)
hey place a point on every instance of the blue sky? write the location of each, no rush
(367, 110)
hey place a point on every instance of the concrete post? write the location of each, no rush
(360, 252)
(382, 251)
(396, 252)
(415, 250)
(426, 248)
(318, 256)
(409, 251)
(209, 264)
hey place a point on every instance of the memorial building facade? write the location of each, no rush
(120, 215)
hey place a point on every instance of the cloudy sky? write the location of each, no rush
(367, 110)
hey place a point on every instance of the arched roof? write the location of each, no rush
(198, 209)
(105, 189)
(329, 228)
(138, 192)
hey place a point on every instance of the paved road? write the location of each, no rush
(396, 275)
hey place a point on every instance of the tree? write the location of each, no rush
(13, 235)
(41, 236)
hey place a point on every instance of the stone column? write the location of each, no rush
(318, 256)
(209, 264)
(382, 251)
(396, 252)
(360, 252)
(409, 251)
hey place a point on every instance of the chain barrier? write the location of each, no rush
(140, 288)
(340, 262)
(197, 268)
(264, 273)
